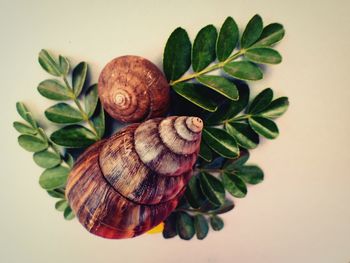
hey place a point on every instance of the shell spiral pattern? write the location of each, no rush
(123, 186)
(132, 89)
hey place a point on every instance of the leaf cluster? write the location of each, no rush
(86, 123)
(46, 155)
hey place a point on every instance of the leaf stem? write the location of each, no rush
(238, 118)
(209, 170)
(208, 69)
(80, 108)
(195, 211)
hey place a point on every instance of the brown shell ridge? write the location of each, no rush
(167, 151)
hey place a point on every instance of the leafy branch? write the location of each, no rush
(232, 124)
(46, 155)
(63, 113)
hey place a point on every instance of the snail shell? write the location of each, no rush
(124, 186)
(132, 89)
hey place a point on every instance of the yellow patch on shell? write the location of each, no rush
(157, 229)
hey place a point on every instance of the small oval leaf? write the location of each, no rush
(32, 143)
(194, 194)
(231, 108)
(216, 223)
(56, 193)
(54, 90)
(90, 100)
(98, 119)
(68, 213)
(243, 134)
(169, 230)
(61, 205)
(205, 152)
(203, 52)
(263, 55)
(250, 174)
(177, 54)
(244, 70)
(73, 136)
(24, 128)
(22, 110)
(228, 38)
(271, 34)
(185, 226)
(49, 64)
(47, 159)
(79, 77)
(221, 142)
(221, 85)
(264, 127)
(234, 164)
(276, 108)
(212, 188)
(261, 101)
(193, 93)
(234, 185)
(54, 177)
(201, 226)
(64, 65)
(63, 113)
(252, 32)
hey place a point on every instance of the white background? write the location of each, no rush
(300, 213)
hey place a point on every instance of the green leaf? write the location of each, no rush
(54, 90)
(271, 34)
(177, 54)
(31, 120)
(79, 77)
(192, 92)
(216, 223)
(32, 143)
(276, 108)
(234, 164)
(185, 226)
(47, 159)
(212, 188)
(243, 134)
(64, 65)
(234, 185)
(73, 136)
(221, 142)
(263, 55)
(228, 38)
(244, 70)
(22, 110)
(261, 101)
(90, 100)
(63, 113)
(230, 108)
(226, 207)
(264, 127)
(56, 193)
(250, 174)
(49, 64)
(203, 52)
(61, 205)
(24, 128)
(54, 177)
(68, 213)
(194, 194)
(221, 85)
(99, 121)
(68, 158)
(252, 32)
(201, 226)
(169, 230)
(205, 152)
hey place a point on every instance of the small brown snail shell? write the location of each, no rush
(132, 89)
(124, 186)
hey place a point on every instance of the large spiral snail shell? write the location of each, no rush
(124, 186)
(132, 89)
